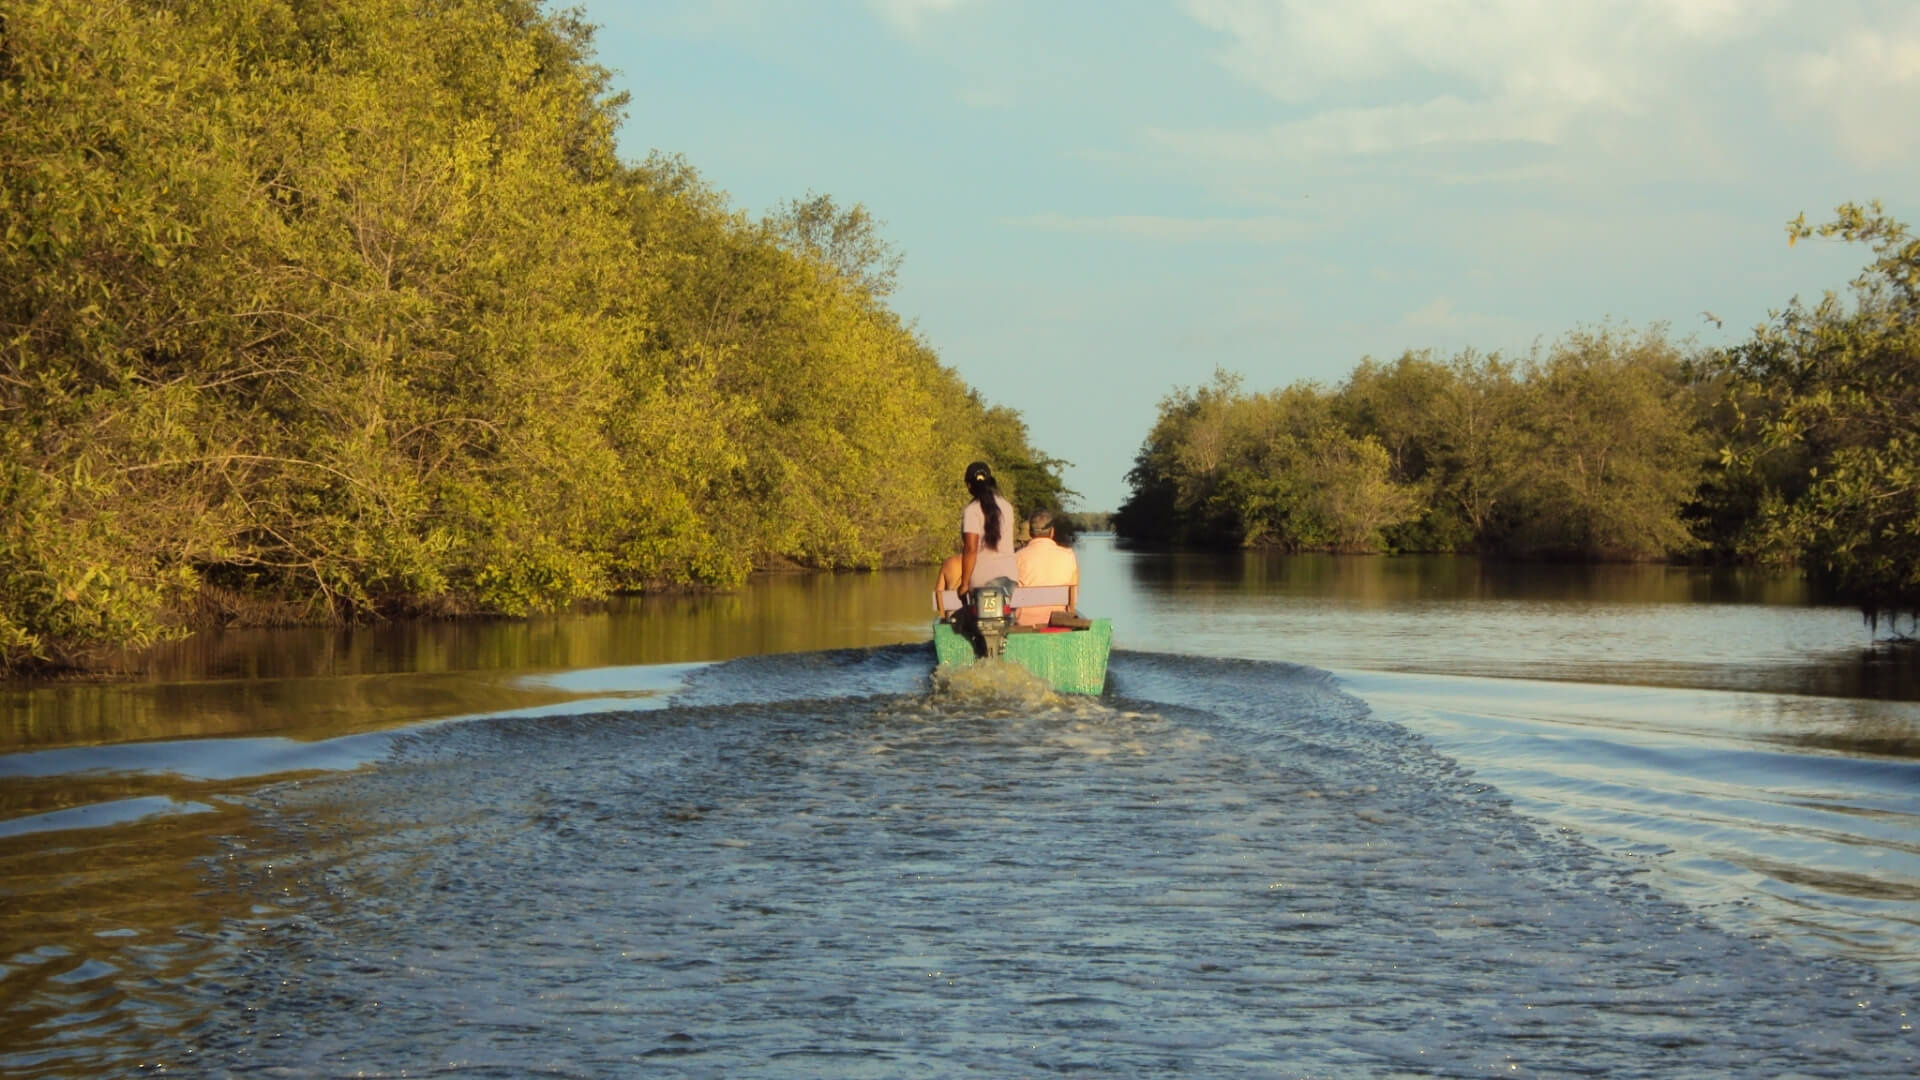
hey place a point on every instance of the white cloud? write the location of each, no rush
(1401, 74)
(910, 15)
(1867, 85)
(1252, 230)
(1437, 315)
(1441, 315)
(1441, 323)
(1606, 54)
(1441, 121)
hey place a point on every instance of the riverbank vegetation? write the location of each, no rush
(349, 309)
(1798, 446)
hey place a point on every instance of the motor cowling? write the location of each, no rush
(992, 618)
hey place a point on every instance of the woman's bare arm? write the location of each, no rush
(969, 554)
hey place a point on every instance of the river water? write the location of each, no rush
(1334, 817)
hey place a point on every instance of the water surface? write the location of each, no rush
(1335, 817)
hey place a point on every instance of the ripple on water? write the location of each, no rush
(1230, 868)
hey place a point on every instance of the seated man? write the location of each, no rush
(1043, 562)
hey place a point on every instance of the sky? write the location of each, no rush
(1101, 201)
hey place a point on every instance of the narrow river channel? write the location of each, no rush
(1334, 817)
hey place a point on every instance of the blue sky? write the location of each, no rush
(1101, 201)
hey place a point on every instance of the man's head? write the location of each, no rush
(1040, 524)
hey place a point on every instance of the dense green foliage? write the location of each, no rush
(332, 309)
(1801, 445)
(1587, 450)
(1823, 424)
(1089, 521)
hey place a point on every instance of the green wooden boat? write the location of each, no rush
(1071, 658)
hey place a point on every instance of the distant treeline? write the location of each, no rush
(338, 309)
(1798, 446)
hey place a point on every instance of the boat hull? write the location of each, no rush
(1069, 661)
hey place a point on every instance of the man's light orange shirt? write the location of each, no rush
(1043, 562)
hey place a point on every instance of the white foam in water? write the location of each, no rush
(635, 680)
(990, 683)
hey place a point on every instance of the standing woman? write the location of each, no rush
(986, 534)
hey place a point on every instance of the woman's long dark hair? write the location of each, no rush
(980, 482)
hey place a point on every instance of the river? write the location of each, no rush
(1334, 817)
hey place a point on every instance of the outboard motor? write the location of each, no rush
(992, 618)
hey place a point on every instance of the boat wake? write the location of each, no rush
(994, 684)
(826, 863)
